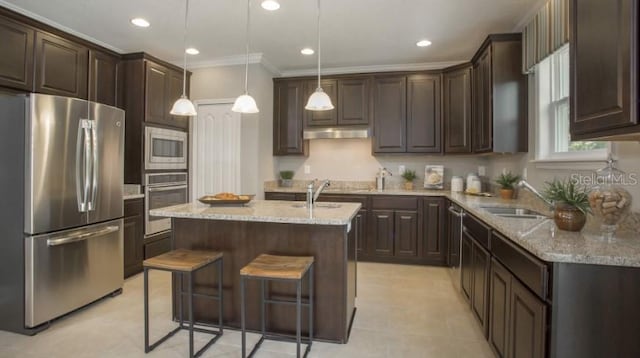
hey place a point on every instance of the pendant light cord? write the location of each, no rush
(184, 50)
(319, 51)
(246, 67)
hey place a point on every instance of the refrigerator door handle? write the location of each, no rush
(82, 237)
(82, 158)
(94, 164)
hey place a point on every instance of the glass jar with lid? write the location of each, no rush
(609, 201)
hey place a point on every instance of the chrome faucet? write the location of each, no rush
(311, 197)
(523, 184)
(325, 183)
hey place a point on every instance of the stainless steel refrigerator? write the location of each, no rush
(63, 186)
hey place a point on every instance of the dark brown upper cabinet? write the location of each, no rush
(424, 121)
(104, 78)
(321, 118)
(457, 109)
(156, 93)
(604, 70)
(390, 114)
(353, 101)
(499, 92)
(289, 101)
(61, 66)
(150, 87)
(16, 55)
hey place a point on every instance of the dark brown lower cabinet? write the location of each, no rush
(361, 232)
(434, 239)
(480, 263)
(406, 233)
(527, 323)
(500, 287)
(518, 317)
(157, 245)
(133, 236)
(465, 266)
(381, 233)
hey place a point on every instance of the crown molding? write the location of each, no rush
(58, 26)
(236, 60)
(373, 68)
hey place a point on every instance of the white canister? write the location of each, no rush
(457, 185)
(476, 185)
(470, 178)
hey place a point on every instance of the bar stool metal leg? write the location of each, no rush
(191, 314)
(180, 298)
(263, 312)
(242, 314)
(146, 310)
(220, 300)
(298, 316)
(310, 273)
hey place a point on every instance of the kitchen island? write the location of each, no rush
(280, 228)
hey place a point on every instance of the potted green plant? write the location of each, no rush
(571, 204)
(409, 175)
(507, 181)
(286, 178)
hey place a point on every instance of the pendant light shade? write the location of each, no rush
(319, 100)
(183, 106)
(245, 103)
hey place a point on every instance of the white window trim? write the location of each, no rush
(543, 159)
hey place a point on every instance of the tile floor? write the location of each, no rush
(403, 311)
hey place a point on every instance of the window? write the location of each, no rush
(553, 138)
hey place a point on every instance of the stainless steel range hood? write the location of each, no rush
(337, 133)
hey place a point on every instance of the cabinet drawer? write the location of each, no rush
(531, 271)
(157, 247)
(133, 207)
(395, 203)
(477, 229)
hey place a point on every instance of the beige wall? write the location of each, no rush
(256, 139)
(351, 159)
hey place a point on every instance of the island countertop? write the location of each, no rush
(287, 212)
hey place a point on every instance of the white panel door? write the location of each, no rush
(215, 150)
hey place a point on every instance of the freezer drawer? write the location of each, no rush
(69, 269)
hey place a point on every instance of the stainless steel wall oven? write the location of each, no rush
(162, 190)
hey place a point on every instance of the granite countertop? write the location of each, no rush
(538, 236)
(132, 196)
(265, 211)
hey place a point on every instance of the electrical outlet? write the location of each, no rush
(307, 169)
(482, 170)
(401, 169)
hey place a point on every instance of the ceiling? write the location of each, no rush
(355, 33)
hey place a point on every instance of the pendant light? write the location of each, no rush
(245, 103)
(319, 100)
(183, 106)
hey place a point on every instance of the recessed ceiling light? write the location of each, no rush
(192, 51)
(423, 43)
(307, 51)
(140, 22)
(271, 5)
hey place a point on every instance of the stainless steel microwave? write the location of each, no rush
(165, 149)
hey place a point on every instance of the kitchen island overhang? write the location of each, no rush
(242, 233)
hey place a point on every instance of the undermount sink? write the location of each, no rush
(318, 205)
(515, 213)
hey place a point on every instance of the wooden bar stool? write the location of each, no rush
(184, 263)
(279, 268)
